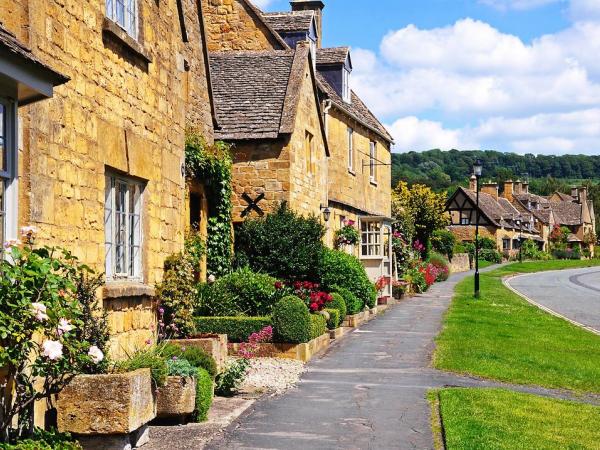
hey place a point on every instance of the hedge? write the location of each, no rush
(353, 304)
(339, 304)
(334, 318)
(318, 326)
(237, 329)
(291, 321)
(204, 395)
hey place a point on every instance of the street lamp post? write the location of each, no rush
(477, 170)
(520, 239)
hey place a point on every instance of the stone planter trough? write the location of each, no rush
(300, 352)
(176, 399)
(215, 345)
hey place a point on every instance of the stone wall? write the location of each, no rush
(235, 25)
(119, 112)
(460, 263)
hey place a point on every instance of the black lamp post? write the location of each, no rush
(520, 224)
(477, 170)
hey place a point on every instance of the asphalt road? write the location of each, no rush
(574, 294)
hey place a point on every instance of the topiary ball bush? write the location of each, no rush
(291, 321)
(353, 304)
(204, 395)
(339, 304)
(318, 326)
(334, 318)
(195, 356)
(341, 269)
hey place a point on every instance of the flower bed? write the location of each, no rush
(237, 329)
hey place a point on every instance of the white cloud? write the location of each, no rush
(505, 5)
(493, 83)
(585, 10)
(262, 4)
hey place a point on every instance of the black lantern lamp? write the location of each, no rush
(477, 171)
(326, 213)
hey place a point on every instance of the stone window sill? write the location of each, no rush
(117, 33)
(114, 290)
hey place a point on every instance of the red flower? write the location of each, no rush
(314, 307)
(278, 285)
(297, 285)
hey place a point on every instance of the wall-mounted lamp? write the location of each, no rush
(326, 213)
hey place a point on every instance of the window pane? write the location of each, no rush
(2, 137)
(120, 227)
(109, 9)
(130, 18)
(2, 221)
(120, 12)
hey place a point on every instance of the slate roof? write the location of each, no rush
(332, 55)
(289, 22)
(249, 89)
(9, 43)
(564, 197)
(567, 213)
(356, 109)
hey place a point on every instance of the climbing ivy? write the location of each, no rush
(211, 164)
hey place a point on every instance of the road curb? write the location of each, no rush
(506, 282)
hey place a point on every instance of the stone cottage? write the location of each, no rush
(93, 147)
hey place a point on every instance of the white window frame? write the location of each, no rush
(373, 162)
(132, 241)
(129, 21)
(371, 239)
(346, 85)
(350, 133)
(8, 175)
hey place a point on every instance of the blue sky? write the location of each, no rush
(510, 75)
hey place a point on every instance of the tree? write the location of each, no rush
(419, 209)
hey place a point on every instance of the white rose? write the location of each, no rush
(96, 354)
(39, 311)
(64, 326)
(211, 279)
(53, 350)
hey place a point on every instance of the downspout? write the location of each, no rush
(327, 104)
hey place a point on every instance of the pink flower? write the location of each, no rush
(12, 243)
(39, 311)
(148, 341)
(64, 326)
(52, 350)
(28, 231)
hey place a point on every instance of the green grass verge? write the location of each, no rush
(501, 336)
(504, 420)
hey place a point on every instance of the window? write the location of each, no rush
(371, 238)
(465, 218)
(373, 162)
(308, 152)
(123, 228)
(505, 244)
(8, 177)
(346, 85)
(350, 149)
(125, 14)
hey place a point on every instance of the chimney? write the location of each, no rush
(490, 188)
(574, 193)
(312, 5)
(582, 195)
(525, 187)
(517, 189)
(508, 190)
(473, 183)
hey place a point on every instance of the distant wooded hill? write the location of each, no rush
(444, 169)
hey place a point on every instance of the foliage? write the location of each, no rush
(493, 256)
(347, 235)
(44, 440)
(227, 383)
(94, 328)
(176, 296)
(506, 420)
(354, 305)
(559, 235)
(334, 318)
(179, 367)
(242, 292)
(415, 278)
(237, 329)
(402, 248)
(310, 293)
(421, 206)
(515, 339)
(204, 395)
(318, 326)
(291, 321)
(531, 250)
(283, 244)
(340, 269)
(196, 356)
(194, 247)
(443, 241)
(338, 303)
(567, 253)
(153, 358)
(39, 314)
(441, 264)
(252, 348)
(212, 165)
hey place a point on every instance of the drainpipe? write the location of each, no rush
(327, 104)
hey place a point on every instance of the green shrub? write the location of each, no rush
(353, 304)
(200, 359)
(284, 244)
(229, 381)
(237, 329)
(44, 440)
(204, 395)
(416, 280)
(181, 368)
(490, 255)
(291, 321)
(531, 250)
(443, 241)
(334, 318)
(242, 292)
(340, 269)
(339, 304)
(318, 326)
(152, 358)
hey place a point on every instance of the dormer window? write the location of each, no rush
(346, 85)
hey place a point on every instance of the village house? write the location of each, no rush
(517, 215)
(92, 148)
(334, 160)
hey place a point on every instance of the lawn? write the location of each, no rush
(501, 336)
(499, 419)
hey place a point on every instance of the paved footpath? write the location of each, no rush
(574, 294)
(368, 391)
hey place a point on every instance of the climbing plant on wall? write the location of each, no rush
(211, 165)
